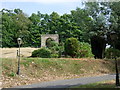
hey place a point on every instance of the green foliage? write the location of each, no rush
(84, 50)
(50, 43)
(54, 55)
(61, 49)
(96, 18)
(42, 52)
(14, 24)
(115, 22)
(17, 24)
(12, 74)
(54, 47)
(71, 47)
(105, 19)
(99, 12)
(111, 53)
(82, 19)
(53, 51)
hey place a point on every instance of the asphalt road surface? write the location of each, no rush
(69, 82)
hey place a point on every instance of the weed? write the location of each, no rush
(12, 74)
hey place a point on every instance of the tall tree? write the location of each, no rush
(82, 19)
(22, 24)
(15, 24)
(100, 15)
(35, 29)
(115, 22)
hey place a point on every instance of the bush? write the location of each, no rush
(50, 43)
(111, 52)
(54, 55)
(71, 47)
(12, 74)
(61, 50)
(42, 52)
(84, 50)
(54, 49)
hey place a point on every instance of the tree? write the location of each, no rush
(82, 19)
(14, 24)
(8, 30)
(115, 22)
(100, 15)
(98, 45)
(22, 24)
(35, 29)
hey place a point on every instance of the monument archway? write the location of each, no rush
(44, 37)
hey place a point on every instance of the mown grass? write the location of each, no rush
(103, 84)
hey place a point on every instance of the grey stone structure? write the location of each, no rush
(44, 37)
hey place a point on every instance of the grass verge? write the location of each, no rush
(33, 70)
(103, 84)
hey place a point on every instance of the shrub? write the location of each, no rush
(61, 50)
(54, 46)
(55, 55)
(35, 53)
(111, 52)
(71, 47)
(12, 74)
(42, 52)
(50, 43)
(84, 50)
(54, 49)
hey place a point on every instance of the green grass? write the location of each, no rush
(46, 69)
(57, 66)
(103, 84)
(12, 74)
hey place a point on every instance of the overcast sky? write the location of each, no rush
(44, 6)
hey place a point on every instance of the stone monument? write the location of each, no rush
(44, 37)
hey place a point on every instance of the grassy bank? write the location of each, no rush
(33, 70)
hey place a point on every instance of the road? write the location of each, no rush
(68, 82)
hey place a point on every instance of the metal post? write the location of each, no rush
(17, 53)
(114, 37)
(117, 73)
(116, 68)
(18, 72)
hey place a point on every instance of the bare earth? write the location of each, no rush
(12, 52)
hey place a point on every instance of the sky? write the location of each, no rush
(44, 6)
